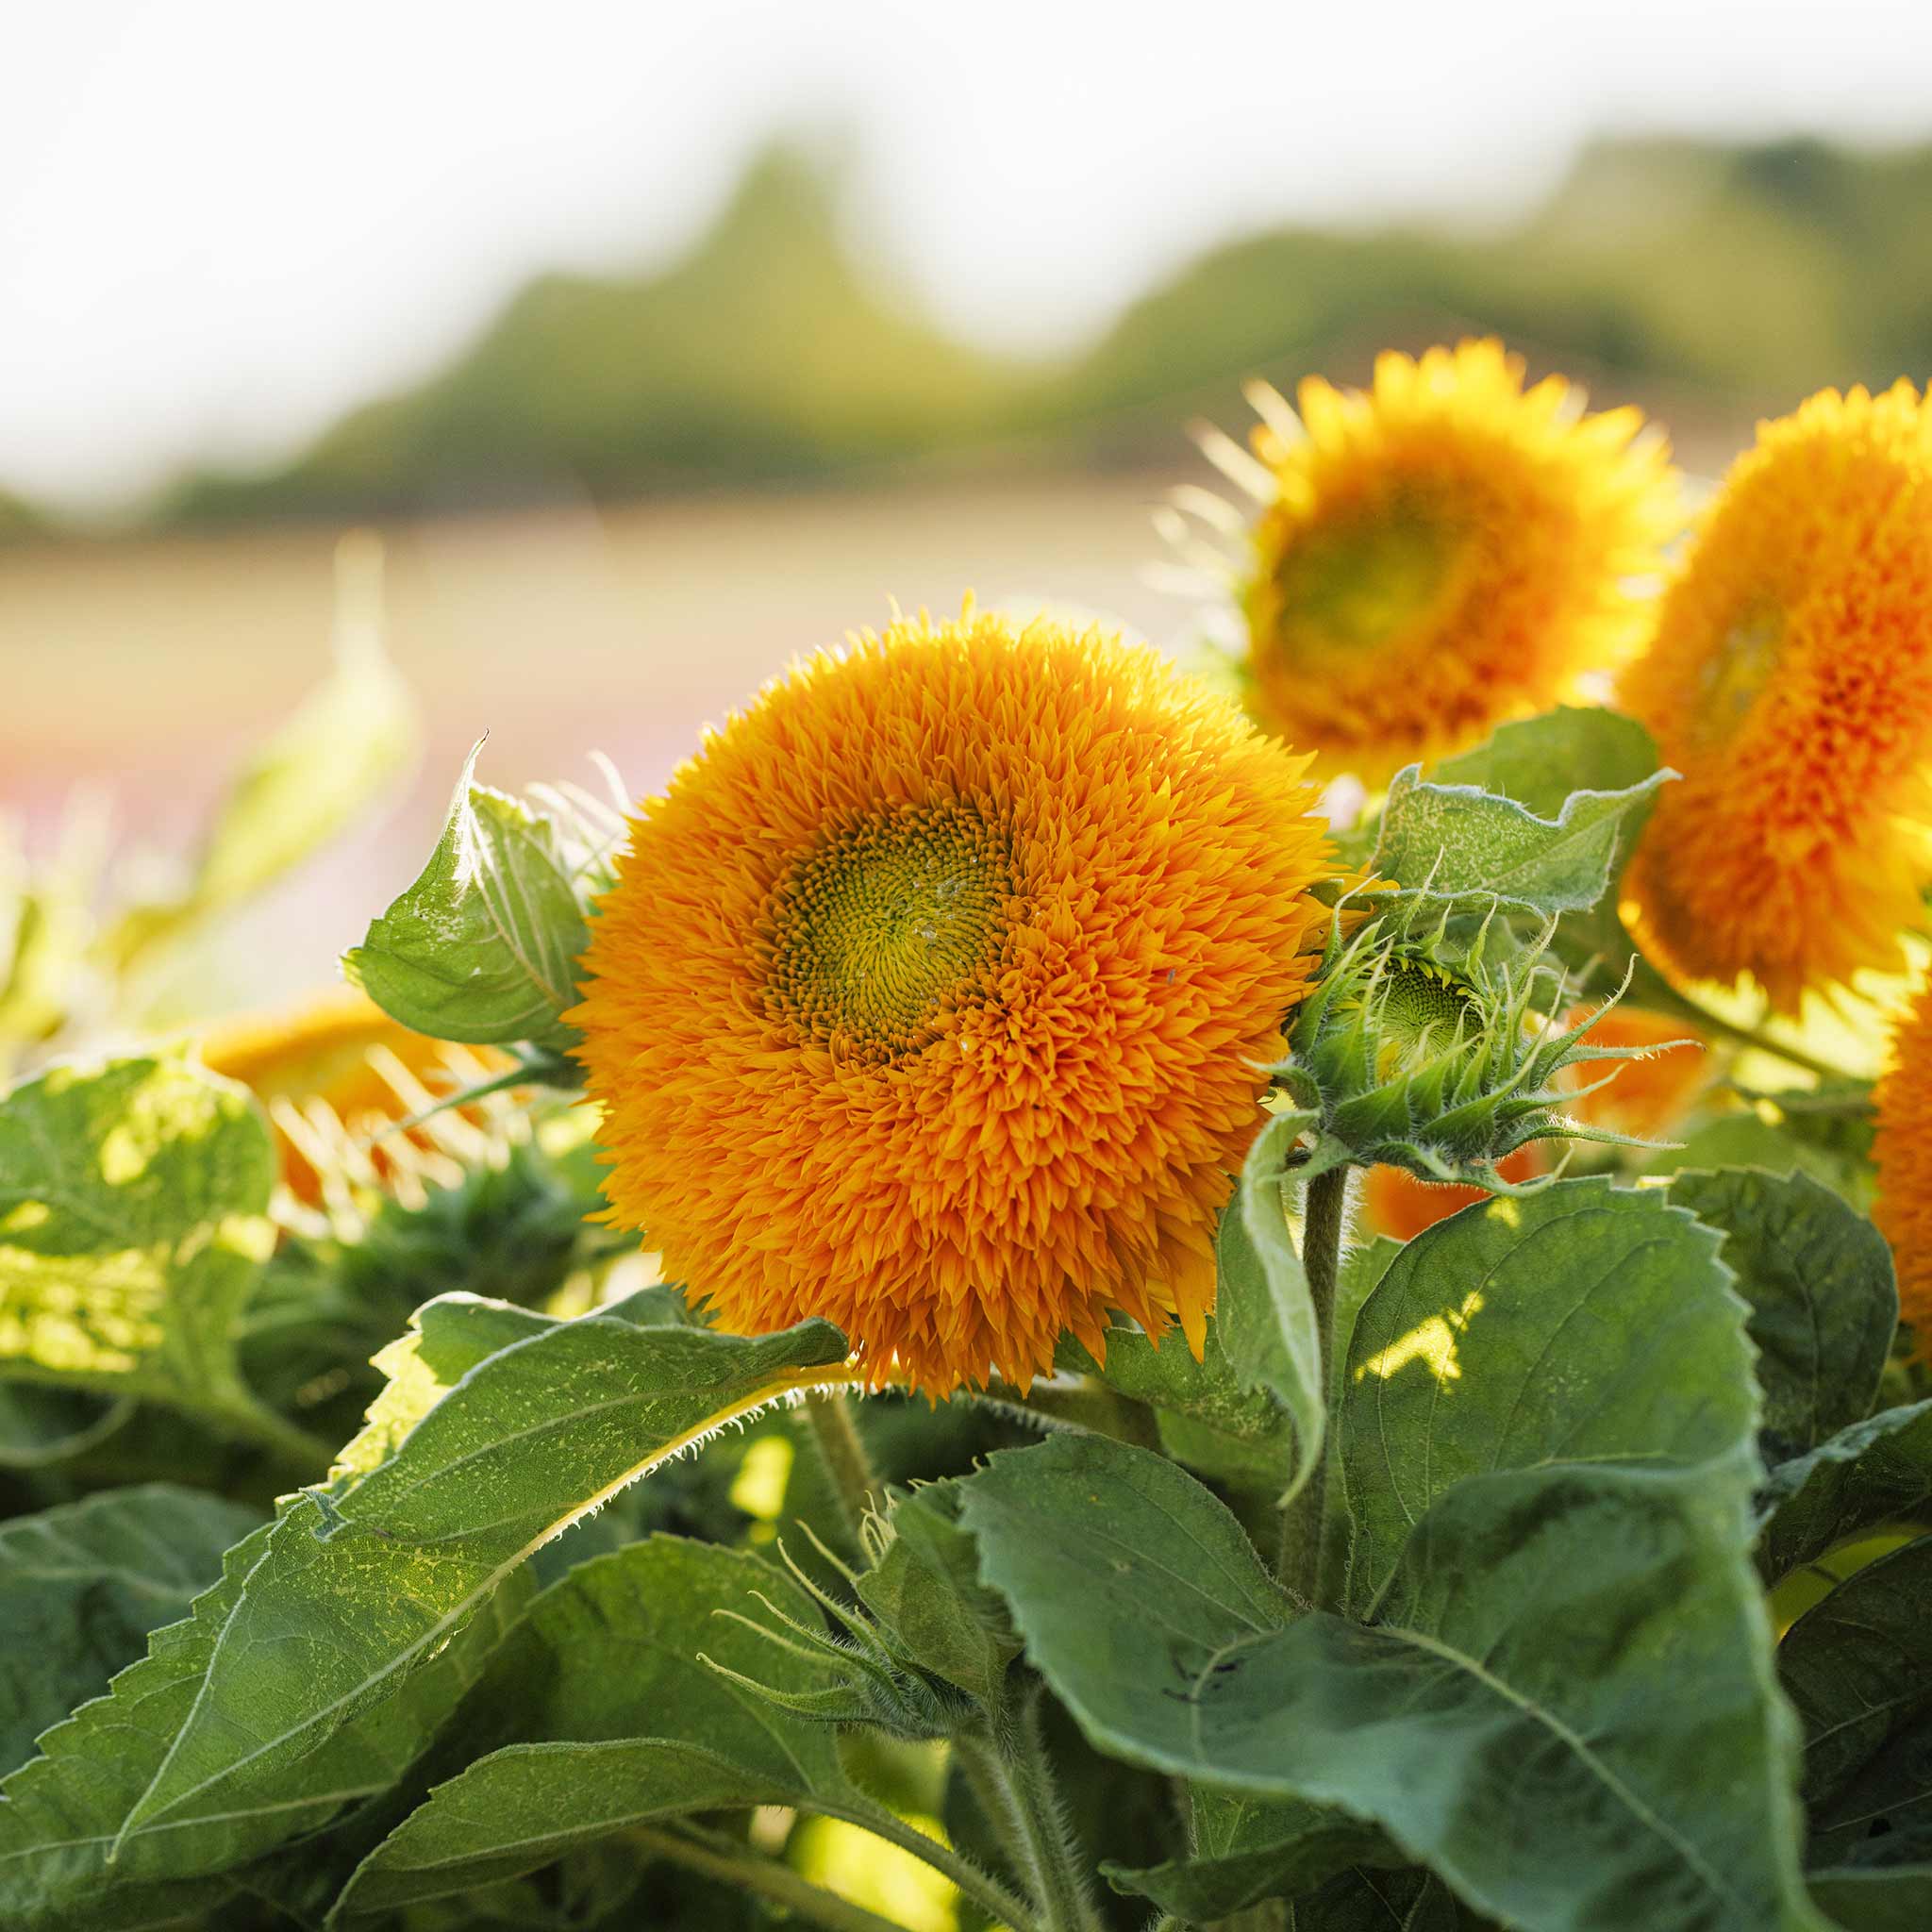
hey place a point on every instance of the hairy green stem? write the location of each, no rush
(1011, 1775)
(717, 1856)
(855, 1484)
(980, 1886)
(1298, 1560)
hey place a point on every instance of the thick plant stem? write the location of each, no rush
(732, 1863)
(1298, 1563)
(835, 1429)
(1012, 1775)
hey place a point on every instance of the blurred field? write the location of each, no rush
(147, 666)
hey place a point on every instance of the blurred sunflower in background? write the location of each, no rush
(1902, 1149)
(1789, 681)
(335, 1073)
(934, 995)
(1434, 556)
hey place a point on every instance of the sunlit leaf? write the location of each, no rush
(484, 946)
(1457, 841)
(351, 1592)
(1584, 1323)
(133, 1225)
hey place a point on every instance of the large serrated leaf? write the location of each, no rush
(1818, 1277)
(348, 1595)
(484, 946)
(1572, 1659)
(81, 1585)
(1457, 841)
(133, 1225)
(1584, 1323)
(68, 1862)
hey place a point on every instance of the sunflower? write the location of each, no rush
(933, 994)
(334, 1072)
(1440, 554)
(1903, 1150)
(1790, 683)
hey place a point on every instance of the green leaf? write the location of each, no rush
(1263, 1304)
(1895, 1899)
(925, 1592)
(1167, 1376)
(1858, 1669)
(1572, 1658)
(1864, 1475)
(526, 1806)
(1247, 1849)
(349, 1595)
(82, 1585)
(295, 795)
(1540, 762)
(1456, 841)
(1584, 1323)
(68, 1863)
(484, 946)
(615, 1720)
(133, 1225)
(1744, 1140)
(1823, 1305)
(1379, 1900)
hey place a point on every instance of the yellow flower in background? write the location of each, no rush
(1439, 554)
(1790, 683)
(1902, 1150)
(931, 995)
(335, 1071)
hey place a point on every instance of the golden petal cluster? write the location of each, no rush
(1902, 1149)
(1441, 553)
(337, 1050)
(1790, 683)
(932, 994)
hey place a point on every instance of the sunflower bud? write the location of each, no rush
(1437, 1050)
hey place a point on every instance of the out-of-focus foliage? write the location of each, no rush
(769, 351)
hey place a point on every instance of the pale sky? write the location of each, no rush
(222, 221)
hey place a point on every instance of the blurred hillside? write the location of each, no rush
(1748, 274)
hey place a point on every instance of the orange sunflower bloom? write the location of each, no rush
(337, 1070)
(1790, 683)
(1439, 554)
(931, 995)
(1903, 1150)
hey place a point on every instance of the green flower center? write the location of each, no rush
(886, 925)
(1366, 577)
(1417, 1013)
